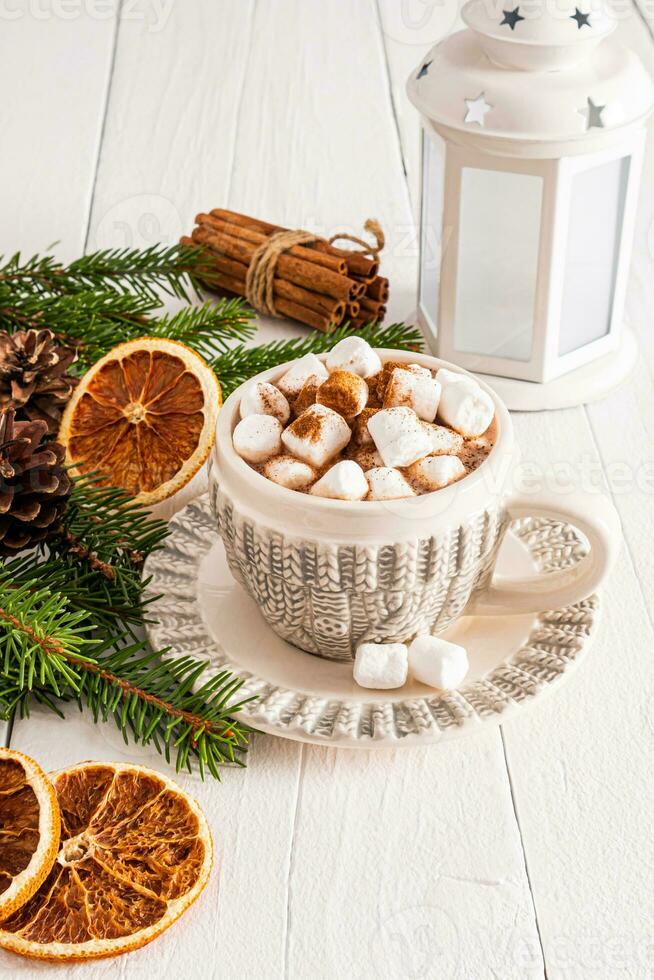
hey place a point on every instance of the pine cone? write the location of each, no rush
(34, 485)
(33, 376)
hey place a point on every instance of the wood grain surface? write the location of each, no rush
(523, 852)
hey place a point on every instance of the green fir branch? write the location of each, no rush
(240, 363)
(116, 295)
(210, 329)
(48, 655)
(172, 269)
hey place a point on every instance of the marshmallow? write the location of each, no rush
(344, 481)
(445, 376)
(385, 375)
(360, 433)
(381, 665)
(289, 472)
(257, 437)
(387, 483)
(260, 398)
(437, 662)
(415, 389)
(435, 472)
(367, 457)
(355, 355)
(399, 436)
(317, 435)
(343, 392)
(466, 407)
(444, 442)
(418, 369)
(306, 397)
(306, 368)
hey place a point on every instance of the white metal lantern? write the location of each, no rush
(533, 134)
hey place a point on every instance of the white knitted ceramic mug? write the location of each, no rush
(330, 574)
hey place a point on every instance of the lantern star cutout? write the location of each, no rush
(593, 115)
(423, 71)
(583, 20)
(477, 109)
(511, 17)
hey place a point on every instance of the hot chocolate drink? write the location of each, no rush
(354, 428)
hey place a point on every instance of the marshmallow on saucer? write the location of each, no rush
(306, 368)
(355, 355)
(444, 441)
(399, 436)
(414, 388)
(387, 483)
(289, 472)
(437, 662)
(257, 437)
(343, 481)
(260, 398)
(316, 435)
(436, 472)
(381, 665)
(343, 392)
(465, 406)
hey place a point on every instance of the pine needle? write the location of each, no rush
(240, 363)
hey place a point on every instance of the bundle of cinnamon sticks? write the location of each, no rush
(316, 283)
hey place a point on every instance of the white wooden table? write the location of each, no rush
(521, 852)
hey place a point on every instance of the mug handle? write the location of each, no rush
(596, 518)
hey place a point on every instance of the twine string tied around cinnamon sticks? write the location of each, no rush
(260, 277)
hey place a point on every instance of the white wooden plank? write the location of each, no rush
(50, 155)
(54, 73)
(580, 764)
(320, 126)
(411, 861)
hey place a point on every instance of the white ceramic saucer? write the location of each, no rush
(204, 613)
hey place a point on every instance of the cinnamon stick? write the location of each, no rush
(370, 306)
(249, 233)
(310, 276)
(357, 264)
(333, 309)
(378, 289)
(290, 300)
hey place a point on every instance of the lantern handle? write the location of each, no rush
(598, 521)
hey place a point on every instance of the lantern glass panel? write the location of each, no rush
(499, 234)
(433, 183)
(591, 262)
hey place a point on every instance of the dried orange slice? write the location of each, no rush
(29, 829)
(144, 416)
(135, 852)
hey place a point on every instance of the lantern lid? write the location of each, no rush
(540, 35)
(545, 79)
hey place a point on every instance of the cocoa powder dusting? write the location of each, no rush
(307, 426)
(306, 398)
(342, 393)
